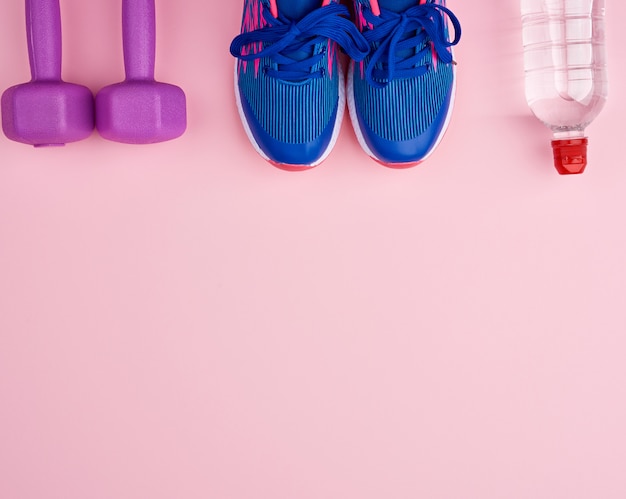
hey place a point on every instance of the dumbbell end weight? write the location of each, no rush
(141, 112)
(47, 113)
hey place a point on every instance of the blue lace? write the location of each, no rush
(286, 41)
(394, 34)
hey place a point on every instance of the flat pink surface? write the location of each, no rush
(185, 321)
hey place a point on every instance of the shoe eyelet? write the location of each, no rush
(322, 72)
(265, 69)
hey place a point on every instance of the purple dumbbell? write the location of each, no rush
(46, 111)
(140, 110)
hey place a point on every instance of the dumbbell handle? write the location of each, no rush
(43, 29)
(138, 31)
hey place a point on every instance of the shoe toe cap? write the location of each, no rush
(288, 155)
(405, 152)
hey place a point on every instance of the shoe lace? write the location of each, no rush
(285, 41)
(400, 35)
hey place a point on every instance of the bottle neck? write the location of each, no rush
(573, 133)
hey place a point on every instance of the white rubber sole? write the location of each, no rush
(359, 133)
(341, 106)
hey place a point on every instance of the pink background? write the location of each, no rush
(185, 321)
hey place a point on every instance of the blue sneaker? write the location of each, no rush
(401, 96)
(289, 83)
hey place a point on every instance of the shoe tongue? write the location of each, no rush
(399, 6)
(396, 5)
(297, 9)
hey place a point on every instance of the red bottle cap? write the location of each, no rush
(570, 155)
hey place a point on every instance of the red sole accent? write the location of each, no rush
(291, 168)
(398, 166)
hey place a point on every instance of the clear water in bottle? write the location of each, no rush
(565, 72)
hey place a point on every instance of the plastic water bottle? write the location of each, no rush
(565, 68)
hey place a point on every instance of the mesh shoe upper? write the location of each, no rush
(406, 107)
